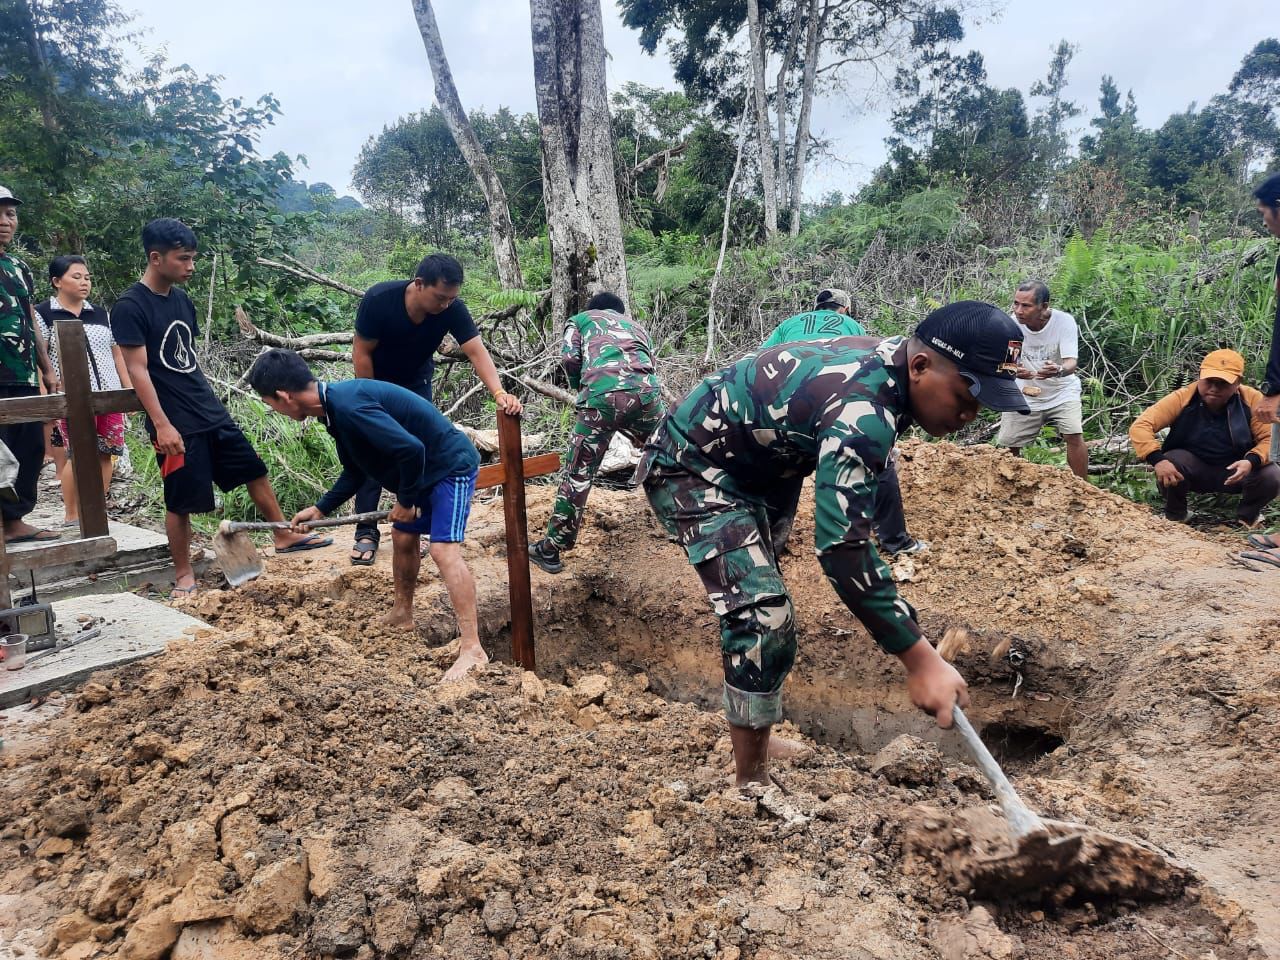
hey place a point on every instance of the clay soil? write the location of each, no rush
(292, 782)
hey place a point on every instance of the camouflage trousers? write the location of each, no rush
(727, 541)
(631, 414)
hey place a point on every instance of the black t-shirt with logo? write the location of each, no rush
(167, 327)
(405, 350)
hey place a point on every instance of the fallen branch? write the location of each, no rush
(1097, 468)
(252, 332)
(311, 276)
(1210, 274)
(547, 389)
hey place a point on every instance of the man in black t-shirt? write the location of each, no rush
(197, 443)
(399, 327)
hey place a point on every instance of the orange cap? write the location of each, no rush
(1223, 364)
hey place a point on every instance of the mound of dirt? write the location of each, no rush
(280, 789)
(294, 783)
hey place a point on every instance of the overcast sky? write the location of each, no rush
(343, 70)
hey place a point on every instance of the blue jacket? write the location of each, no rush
(394, 436)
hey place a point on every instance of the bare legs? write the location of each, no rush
(1077, 454)
(70, 494)
(177, 527)
(405, 564)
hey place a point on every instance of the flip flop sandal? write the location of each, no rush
(40, 536)
(1263, 541)
(1263, 556)
(313, 542)
(178, 591)
(368, 552)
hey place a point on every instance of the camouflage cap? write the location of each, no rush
(835, 295)
(984, 343)
(6, 196)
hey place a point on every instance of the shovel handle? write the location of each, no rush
(1022, 821)
(238, 526)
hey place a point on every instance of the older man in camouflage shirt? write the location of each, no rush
(608, 357)
(22, 352)
(833, 408)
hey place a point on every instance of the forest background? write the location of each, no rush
(1149, 236)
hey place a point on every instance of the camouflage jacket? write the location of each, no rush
(833, 408)
(606, 352)
(814, 325)
(17, 333)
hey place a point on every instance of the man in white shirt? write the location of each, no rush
(1047, 371)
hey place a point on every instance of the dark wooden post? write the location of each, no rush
(6, 599)
(82, 437)
(511, 452)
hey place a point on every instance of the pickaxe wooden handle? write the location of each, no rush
(236, 526)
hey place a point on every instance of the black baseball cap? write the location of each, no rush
(984, 343)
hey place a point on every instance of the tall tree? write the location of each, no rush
(1118, 142)
(579, 181)
(501, 232)
(1050, 123)
(764, 132)
(839, 36)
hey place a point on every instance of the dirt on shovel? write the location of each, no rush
(972, 850)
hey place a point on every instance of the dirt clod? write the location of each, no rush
(909, 761)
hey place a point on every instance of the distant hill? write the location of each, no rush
(297, 196)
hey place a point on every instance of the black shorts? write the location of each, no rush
(221, 455)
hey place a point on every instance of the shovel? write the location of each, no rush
(1040, 855)
(238, 555)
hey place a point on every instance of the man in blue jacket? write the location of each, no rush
(389, 434)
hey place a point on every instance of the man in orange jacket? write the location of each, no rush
(1216, 442)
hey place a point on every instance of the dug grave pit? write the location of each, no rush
(293, 782)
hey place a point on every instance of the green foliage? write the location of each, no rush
(918, 219)
(415, 169)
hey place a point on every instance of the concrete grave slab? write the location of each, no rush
(132, 627)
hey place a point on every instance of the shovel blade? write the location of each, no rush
(238, 556)
(1039, 862)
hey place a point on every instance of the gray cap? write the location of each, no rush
(833, 295)
(6, 196)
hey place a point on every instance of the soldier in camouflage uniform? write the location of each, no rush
(833, 408)
(828, 319)
(22, 351)
(609, 359)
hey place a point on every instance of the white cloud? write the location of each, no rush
(342, 75)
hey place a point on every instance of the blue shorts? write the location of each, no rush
(444, 510)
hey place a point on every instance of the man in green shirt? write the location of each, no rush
(832, 408)
(22, 353)
(831, 318)
(609, 360)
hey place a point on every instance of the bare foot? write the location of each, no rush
(780, 748)
(468, 657)
(398, 618)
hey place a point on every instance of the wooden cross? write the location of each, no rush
(78, 404)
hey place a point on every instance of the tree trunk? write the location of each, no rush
(800, 155)
(501, 232)
(580, 187)
(43, 77)
(763, 131)
(724, 231)
(780, 106)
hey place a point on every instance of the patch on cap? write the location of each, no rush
(1011, 357)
